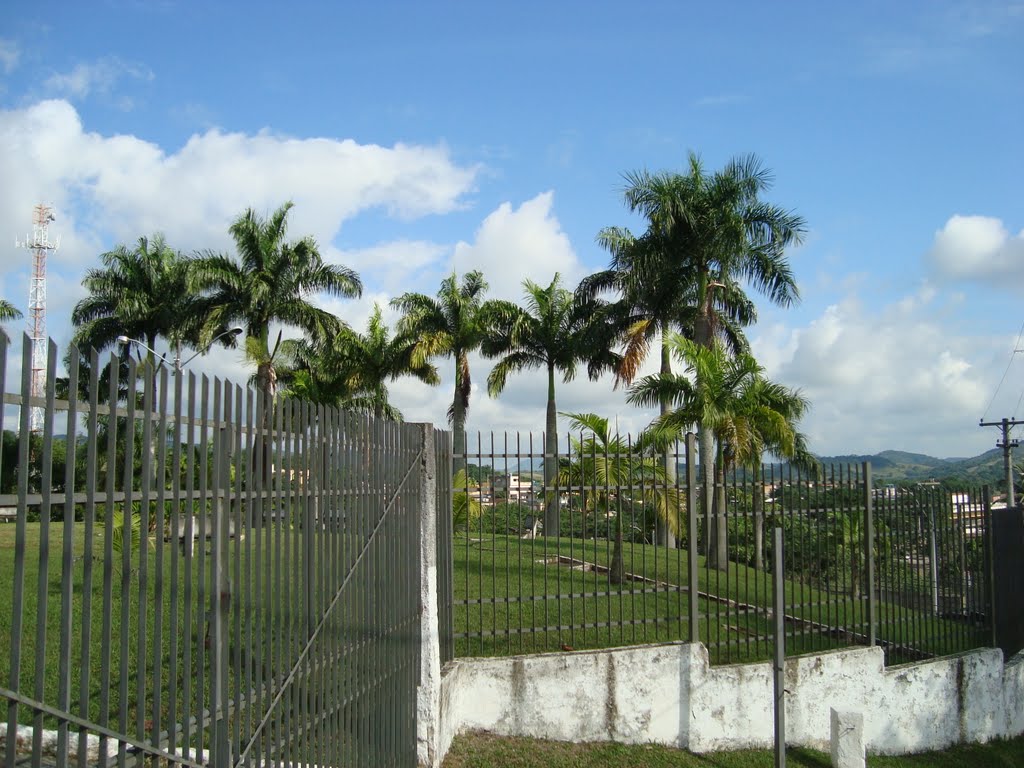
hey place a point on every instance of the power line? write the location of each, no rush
(1016, 349)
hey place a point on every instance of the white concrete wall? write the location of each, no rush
(669, 694)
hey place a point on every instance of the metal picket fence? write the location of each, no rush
(907, 569)
(195, 576)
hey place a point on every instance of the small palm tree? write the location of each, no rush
(600, 462)
(270, 282)
(352, 369)
(555, 332)
(745, 414)
(452, 325)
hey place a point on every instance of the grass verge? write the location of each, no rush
(480, 750)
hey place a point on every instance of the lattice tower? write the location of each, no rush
(38, 243)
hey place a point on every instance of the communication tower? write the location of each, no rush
(38, 243)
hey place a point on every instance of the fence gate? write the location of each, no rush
(197, 577)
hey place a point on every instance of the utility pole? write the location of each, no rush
(1007, 445)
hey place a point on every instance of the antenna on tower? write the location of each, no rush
(39, 244)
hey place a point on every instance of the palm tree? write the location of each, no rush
(270, 282)
(744, 412)
(140, 292)
(655, 298)
(706, 233)
(555, 332)
(8, 311)
(771, 412)
(452, 325)
(604, 463)
(352, 369)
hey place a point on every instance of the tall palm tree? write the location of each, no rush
(604, 462)
(707, 233)
(655, 299)
(452, 325)
(269, 282)
(555, 332)
(352, 369)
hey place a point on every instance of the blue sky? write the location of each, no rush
(416, 138)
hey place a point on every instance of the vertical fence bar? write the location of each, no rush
(177, 543)
(43, 580)
(779, 667)
(240, 696)
(869, 554)
(67, 554)
(188, 567)
(158, 572)
(145, 489)
(18, 582)
(89, 519)
(692, 545)
(220, 594)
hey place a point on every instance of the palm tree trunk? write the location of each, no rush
(458, 436)
(718, 549)
(552, 511)
(664, 532)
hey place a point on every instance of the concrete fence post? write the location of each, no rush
(428, 694)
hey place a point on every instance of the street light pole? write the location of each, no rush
(178, 363)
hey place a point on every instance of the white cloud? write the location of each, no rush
(9, 55)
(99, 76)
(977, 248)
(394, 264)
(110, 189)
(890, 379)
(513, 244)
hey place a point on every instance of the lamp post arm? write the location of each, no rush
(179, 363)
(142, 345)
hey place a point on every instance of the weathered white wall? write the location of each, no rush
(669, 694)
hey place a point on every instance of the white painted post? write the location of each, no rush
(847, 740)
(428, 695)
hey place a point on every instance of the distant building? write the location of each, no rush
(512, 488)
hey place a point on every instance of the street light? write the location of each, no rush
(178, 363)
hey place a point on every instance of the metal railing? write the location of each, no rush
(198, 577)
(641, 557)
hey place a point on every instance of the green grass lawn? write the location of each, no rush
(485, 751)
(513, 596)
(173, 625)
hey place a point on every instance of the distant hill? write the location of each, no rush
(897, 466)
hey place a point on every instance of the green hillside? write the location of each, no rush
(904, 467)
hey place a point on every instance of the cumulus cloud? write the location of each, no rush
(977, 248)
(99, 76)
(879, 380)
(394, 264)
(513, 244)
(110, 189)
